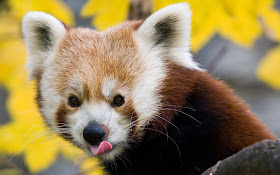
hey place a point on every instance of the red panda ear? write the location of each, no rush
(167, 32)
(42, 32)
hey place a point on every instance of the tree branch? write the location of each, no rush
(262, 158)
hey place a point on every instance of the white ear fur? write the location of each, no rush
(167, 32)
(42, 32)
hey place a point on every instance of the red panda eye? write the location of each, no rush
(74, 101)
(118, 101)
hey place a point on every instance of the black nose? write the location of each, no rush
(93, 133)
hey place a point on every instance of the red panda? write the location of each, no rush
(133, 95)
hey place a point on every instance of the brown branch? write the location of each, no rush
(262, 158)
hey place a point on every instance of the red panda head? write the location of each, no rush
(99, 90)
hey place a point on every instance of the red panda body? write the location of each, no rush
(133, 96)
(205, 123)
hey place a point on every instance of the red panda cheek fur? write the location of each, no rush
(61, 121)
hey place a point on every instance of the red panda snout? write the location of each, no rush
(94, 133)
(96, 124)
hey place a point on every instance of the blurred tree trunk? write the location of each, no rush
(139, 9)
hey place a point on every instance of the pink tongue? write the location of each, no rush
(102, 148)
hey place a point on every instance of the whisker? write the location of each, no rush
(182, 107)
(46, 130)
(131, 121)
(155, 119)
(169, 123)
(28, 142)
(122, 161)
(183, 113)
(33, 127)
(171, 140)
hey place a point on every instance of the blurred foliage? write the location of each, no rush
(10, 40)
(55, 7)
(241, 21)
(9, 172)
(238, 21)
(10, 31)
(269, 68)
(107, 13)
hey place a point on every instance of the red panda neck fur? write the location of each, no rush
(201, 121)
(236, 125)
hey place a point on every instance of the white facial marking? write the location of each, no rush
(108, 86)
(75, 85)
(50, 102)
(146, 99)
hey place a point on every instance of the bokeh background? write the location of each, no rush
(237, 41)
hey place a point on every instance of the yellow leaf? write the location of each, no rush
(158, 4)
(40, 154)
(21, 102)
(55, 7)
(9, 172)
(10, 26)
(204, 23)
(269, 68)
(11, 142)
(239, 22)
(12, 49)
(10, 30)
(92, 7)
(106, 13)
(9, 59)
(90, 167)
(271, 20)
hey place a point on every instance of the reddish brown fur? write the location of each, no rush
(67, 27)
(61, 119)
(130, 114)
(61, 114)
(236, 126)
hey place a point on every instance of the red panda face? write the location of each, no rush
(99, 90)
(94, 78)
